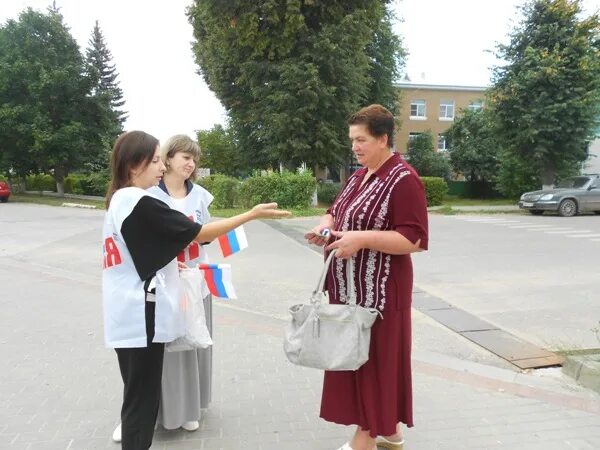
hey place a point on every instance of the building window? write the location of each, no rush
(418, 110)
(447, 110)
(411, 139)
(475, 105)
(442, 146)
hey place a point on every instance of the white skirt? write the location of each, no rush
(186, 382)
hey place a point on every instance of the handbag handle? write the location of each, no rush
(349, 278)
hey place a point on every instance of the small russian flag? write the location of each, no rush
(218, 279)
(233, 242)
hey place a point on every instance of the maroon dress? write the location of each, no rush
(379, 394)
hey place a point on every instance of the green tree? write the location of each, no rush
(106, 92)
(474, 146)
(427, 161)
(386, 56)
(289, 73)
(546, 97)
(219, 151)
(47, 117)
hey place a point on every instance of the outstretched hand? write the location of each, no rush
(269, 211)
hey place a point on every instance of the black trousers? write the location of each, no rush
(141, 370)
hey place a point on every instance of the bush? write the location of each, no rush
(288, 189)
(327, 192)
(94, 184)
(40, 182)
(435, 190)
(223, 188)
(73, 184)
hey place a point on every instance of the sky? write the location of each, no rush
(448, 42)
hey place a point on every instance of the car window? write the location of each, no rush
(596, 183)
(573, 182)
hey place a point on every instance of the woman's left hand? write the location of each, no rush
(346, 244)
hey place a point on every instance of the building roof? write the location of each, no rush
(441, 87)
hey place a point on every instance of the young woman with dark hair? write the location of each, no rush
(142, 237)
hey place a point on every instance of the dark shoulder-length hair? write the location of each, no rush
(378, 120)
(131, 150)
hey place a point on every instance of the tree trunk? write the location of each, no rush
(548, 177)
(59, 177)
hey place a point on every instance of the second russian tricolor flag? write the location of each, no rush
(233, 242)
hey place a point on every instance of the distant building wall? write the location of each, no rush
(432, 107)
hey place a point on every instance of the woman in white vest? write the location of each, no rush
(187, 375)
(142, 237)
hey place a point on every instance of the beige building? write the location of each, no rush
(432, 107)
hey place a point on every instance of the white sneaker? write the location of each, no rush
(191, 426)
(117, 434)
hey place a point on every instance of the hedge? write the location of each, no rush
(327, 192)
(288, 189)
(223, 188)
(40, 182)
(435, 190)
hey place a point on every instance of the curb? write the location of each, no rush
(584, 368)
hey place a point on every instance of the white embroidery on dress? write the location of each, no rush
(372, 296)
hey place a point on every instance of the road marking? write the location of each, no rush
(584, 236)
(566, 232)
(530, 226)
(481, 219)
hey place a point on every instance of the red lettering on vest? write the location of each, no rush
(112, 257)
(191, 252)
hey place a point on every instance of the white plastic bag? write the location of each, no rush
(192, 307)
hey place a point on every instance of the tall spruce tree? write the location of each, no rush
(289, 73)
(106, 92)
(546, 97)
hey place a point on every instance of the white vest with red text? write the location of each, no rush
(123, 290)
(195, 207)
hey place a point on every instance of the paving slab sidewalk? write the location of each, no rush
(60, 389)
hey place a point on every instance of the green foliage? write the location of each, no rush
(474, 146)
(386, 57)
(327, 192)
(289, 73)
(473, 189)
(427, 161)
(546, 97)
(516, 176)
(40, 182)
(73, 184)
(435, 190)
(219, 152)
(288, 189)
(94, 183)
(223, 188)
(47, 117)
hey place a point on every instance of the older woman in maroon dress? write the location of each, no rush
(378, 219)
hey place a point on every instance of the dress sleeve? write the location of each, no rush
(155, 234)
(408, 210)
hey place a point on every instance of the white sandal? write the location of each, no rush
(346, 446)
(389, 445)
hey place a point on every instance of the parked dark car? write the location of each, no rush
(570, 197)
(4, 191)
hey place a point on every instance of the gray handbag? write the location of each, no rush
(330, 337)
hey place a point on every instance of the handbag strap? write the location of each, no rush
(349, 277)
